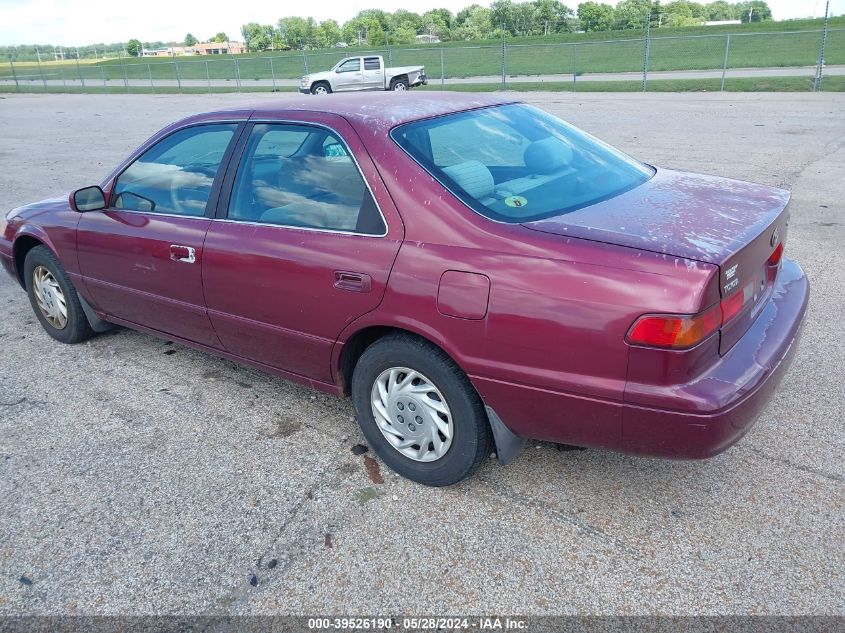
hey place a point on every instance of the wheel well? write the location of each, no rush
(360, 341)
(400, 77)
(20, 248)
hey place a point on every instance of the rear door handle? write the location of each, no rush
(179, 253)
(354, 282)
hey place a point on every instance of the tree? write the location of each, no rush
(632, 14)
(754, 11)
(327, 34)
(502, 12)
(221, 38)
(473, 23)
(134, 48)
(552, 16)
(190, 40)
(595, 17)
(258, 37)
(720, 10)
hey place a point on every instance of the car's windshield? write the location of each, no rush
(515, 163)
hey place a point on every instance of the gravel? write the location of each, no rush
(134, 480)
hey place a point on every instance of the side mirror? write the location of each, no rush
(335, 151)
(89, 199)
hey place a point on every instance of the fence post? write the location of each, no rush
(123, 68)
(178, 77)
(237, 73)
(14, 74)
(817, 84)
(272, 73)
(79, 72)
(725, 65)
(389, 51)
(504, 60)
(103, 75)
(305, 61)
(41, 72)
(646, 51)
(442, 68)
(207, 76)
(150, 71)
(574, 67)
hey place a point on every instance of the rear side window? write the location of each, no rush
(302, 176)
(371, 63)
(175, 175)
(515, 163)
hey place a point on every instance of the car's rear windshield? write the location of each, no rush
(515, 163)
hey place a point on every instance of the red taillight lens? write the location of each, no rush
(680, 331)
(774, 258)
(675, 331)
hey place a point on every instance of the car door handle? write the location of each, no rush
(179, 253)
(354, 282)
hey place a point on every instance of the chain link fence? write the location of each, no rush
(797, 60)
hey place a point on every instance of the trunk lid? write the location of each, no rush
(733, 224)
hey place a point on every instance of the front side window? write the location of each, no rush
(302, 176)
(515, 163)
(176, 174)
(350, 66)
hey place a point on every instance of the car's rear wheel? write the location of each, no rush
(419, 411)
(321, 89)
(399, 85)
(53, 298)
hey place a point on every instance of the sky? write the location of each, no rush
(78, 22)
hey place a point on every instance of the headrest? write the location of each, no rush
(548, 155)
(473, 177)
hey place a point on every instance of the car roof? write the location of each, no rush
(379, 109)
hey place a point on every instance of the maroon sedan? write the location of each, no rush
(473, 271)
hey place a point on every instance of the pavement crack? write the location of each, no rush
(580, 526)
(789, 463)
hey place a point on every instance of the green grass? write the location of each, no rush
(690, 48)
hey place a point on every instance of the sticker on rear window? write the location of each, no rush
(516, 201)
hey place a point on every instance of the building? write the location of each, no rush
(427, 39)
(201, 48)
(722, 22)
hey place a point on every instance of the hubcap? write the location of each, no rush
(399, 86)
(320, 91)
(49, 297)
(412, 414)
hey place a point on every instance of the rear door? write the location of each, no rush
(141, 257)
(373, 73)
(305, 245)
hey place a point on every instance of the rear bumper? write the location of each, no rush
(709, 413)
(726, 400)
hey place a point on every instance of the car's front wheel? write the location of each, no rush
(53, 298)
(419, 411)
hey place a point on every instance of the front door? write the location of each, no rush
(348, 75)
(305, 248)
(141, 257)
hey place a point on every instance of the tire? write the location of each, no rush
(401, 84)
(321, 88)
(51, 290)
(470, 439)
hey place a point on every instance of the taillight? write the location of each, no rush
(675, 331)
(774, 258)
(681, 331)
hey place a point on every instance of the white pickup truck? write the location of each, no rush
(362, 73)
